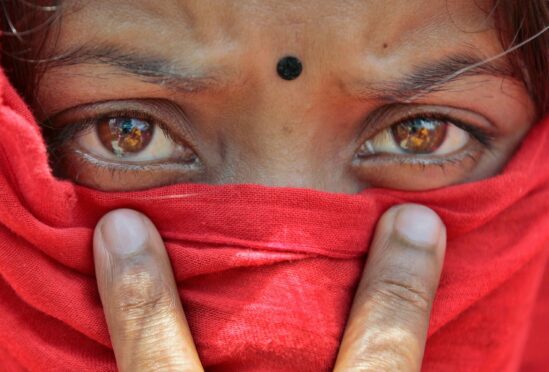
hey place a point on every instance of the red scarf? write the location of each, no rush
(266, 275)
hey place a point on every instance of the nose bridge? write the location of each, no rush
(275, 154)
(271, 174)
(291, 172)
(280, 150)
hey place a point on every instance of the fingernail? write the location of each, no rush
(124, 232)
(418, 225)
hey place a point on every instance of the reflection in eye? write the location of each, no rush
(125, 146)
(418, 136)
(124, 136)
(132, 140)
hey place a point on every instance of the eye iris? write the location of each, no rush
(123, 136)
(420, 136)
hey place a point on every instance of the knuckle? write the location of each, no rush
(404, 290)
(165, 361)
(140, 290)
(394, 349)
(379, 363)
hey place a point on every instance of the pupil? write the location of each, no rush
(420, 136)
(127, 126)
(415, 126)
(124, 136)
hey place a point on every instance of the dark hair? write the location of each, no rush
(518, 21)
(522, 26)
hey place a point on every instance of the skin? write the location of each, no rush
(245, 124)
(217, 94)
(387, 326)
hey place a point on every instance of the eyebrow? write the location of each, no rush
(149, 69)
(431, 76)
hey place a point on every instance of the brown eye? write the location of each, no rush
(420, 136)
(124, 136)
(416, 138)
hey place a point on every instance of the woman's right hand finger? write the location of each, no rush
(388, 323)
(146, 322)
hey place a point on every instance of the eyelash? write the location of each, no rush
(69, 132)
(483, 136)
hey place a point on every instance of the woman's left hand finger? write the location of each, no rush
(388, 324)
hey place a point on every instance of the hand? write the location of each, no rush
(387, 326)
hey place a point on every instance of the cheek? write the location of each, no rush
(90, 172)
(499, 155)
(415, 177)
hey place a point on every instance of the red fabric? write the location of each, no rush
(266, 275)
(536, 356)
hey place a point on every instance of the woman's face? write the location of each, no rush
(150, 93)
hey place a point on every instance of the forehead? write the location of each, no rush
(286, 11)
(343, 37)
(295, 22)
(392, 48)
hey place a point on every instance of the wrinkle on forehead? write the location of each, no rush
(374, 15)
(302, 25)
(342, 39)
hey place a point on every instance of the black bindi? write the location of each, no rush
(289, 68)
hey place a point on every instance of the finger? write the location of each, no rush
(146, 322)
(388, 323)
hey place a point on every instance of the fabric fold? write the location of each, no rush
(266, 275)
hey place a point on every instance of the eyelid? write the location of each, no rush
(478, 133)
(168, 116)
(158, 148)
(386, 116)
